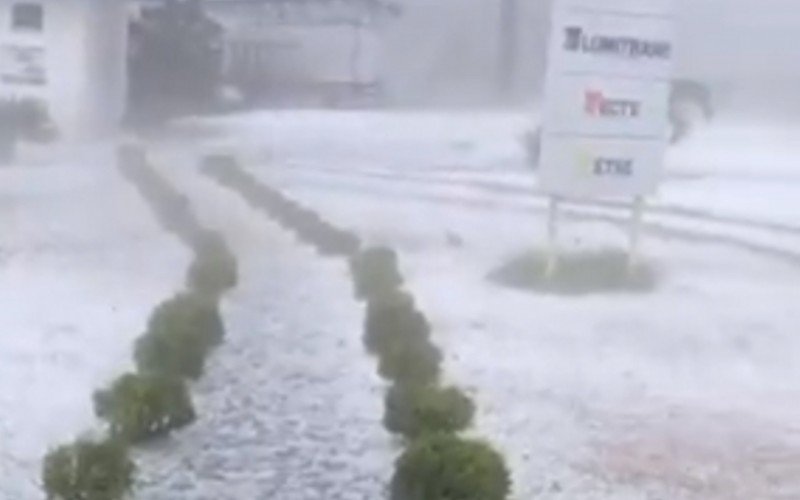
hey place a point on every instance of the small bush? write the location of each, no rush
(212, 276)
(332, 241)
(416, 411)
(192, 313)
(175, 214)
(210, 244)
(180, 333)
(345, 243)
(391, 319)
(88, 471)
(140, 407)
(299, 219)
(375, 272)
(172, 354)
(281, 207)
(222, 166)
(214, 269)
(411, 363)
(445, 467)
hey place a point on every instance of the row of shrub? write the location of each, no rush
(305, 223)
(181, 333)
(437, 462)
(213, 269)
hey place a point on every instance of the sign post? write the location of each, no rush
(636, 232)
(551, 264)
(605, 129)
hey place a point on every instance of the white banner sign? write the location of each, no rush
(22, 65)
(606, 97)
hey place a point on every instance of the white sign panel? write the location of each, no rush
(607, 94)
(22, 65)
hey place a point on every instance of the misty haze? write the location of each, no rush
(399, 250)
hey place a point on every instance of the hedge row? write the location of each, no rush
(305, 223)
(181, 333)
(437, 463)
(213, 270)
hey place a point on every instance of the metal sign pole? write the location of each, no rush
(551, 263)
(636, 232)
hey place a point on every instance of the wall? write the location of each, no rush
(83, 51)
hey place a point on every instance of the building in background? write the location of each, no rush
(321, 51)
(467, 52)
(70, 56)
(457, 51)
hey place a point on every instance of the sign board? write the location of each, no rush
(22, 65)
(607, 97)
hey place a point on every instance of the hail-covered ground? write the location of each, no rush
(82, 262)
(686, 390)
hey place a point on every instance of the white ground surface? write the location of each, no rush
(688, 392)
(82, 262)
(291, 406)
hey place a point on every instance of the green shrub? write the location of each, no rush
(212, 272)
(174, 210)
(170, 354)
(332, 241)
(445, 467)
(375, 272)
(180, 334)
(345, 243)
(212, 276)
(299, 219)
(214, 269)
(221, 165)
(391, 319)
(415, 411)
(210, 244)
(411, 363)
(88, 471)
(140, 407)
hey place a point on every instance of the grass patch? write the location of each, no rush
(583, 273)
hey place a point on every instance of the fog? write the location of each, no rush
(449, 51)
(276, 257)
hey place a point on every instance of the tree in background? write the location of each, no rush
(175, 62)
